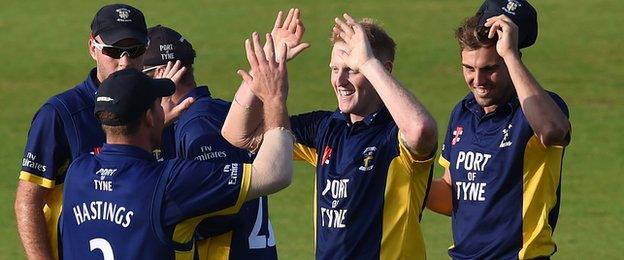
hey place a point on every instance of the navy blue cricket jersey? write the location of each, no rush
(62, 129)
(505, 183)
(370, 191)
(197, 135)
(124, 204)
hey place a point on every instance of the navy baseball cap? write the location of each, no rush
(519, 11)
(128, 94)
(167, 45)
(117, 22)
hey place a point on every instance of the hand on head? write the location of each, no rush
(507, 32)
(174, 72)
(268, 79)
(357, 47)
(288, 31)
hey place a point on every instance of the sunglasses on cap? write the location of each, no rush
(117, 52)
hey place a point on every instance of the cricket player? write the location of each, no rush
(122, 203)
(196, 135)
(64, 128)
(373, 155)
(504, 144)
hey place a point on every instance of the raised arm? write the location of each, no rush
(245, 127)
(548, 121)
(418, 128)
(272, 168)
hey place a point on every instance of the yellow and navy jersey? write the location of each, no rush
(124, 204)
(505, 183)
(196, 135)
(370, 191)
(62, 129)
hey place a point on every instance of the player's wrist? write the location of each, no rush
(370, 64)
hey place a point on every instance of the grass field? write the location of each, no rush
(43, 50)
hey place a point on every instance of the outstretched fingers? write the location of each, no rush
(270, 50)
(251, 54)
(278, 20)
(259, 52)
(289, 18)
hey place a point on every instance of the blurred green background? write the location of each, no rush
(43, 51)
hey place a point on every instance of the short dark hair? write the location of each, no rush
(383, 45)
(471, 36)
(125, 130)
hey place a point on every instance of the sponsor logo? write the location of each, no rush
(473, 164)
(232, 169)
(124, 14)
(459, 130)
(166, 52)
(105, 99)
(207, 153)
(103, 184)
(334, 217)
(30, 162)
(103, 172)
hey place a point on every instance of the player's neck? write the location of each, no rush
(134, 140)
(182, 91)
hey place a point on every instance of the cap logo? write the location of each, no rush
(104, 99)
(511, 7)
(124, 14)
(166, 52)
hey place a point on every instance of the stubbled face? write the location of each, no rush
(107, 65)
(487, 77)
(356, 96)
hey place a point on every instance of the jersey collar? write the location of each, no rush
(91, 83)
(125, 152)
(379, 117)
(470, 103)
(196, 93)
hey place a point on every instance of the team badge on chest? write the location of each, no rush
(369, 156)
(505, 142)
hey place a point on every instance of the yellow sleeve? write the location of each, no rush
(304, 153)
(183, 232)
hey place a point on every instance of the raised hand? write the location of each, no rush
(270, 78)
(174, 72)
(173, 110)
(507, 32)
(288, 31)
(358, 50)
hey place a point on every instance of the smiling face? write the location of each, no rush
(356, 96)
(487, 77)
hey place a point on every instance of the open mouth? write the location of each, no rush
(482, 91)
(345, 93)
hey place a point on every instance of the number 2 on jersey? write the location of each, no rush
(257, 241)
(104, 246)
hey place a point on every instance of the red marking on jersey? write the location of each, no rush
(457, 135)
(326, 154)
(97, 150)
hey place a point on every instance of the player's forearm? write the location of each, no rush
(31, 224)
(243, 124)
(272, 168)
(439, 199)
(547, 120)
(417, 126)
